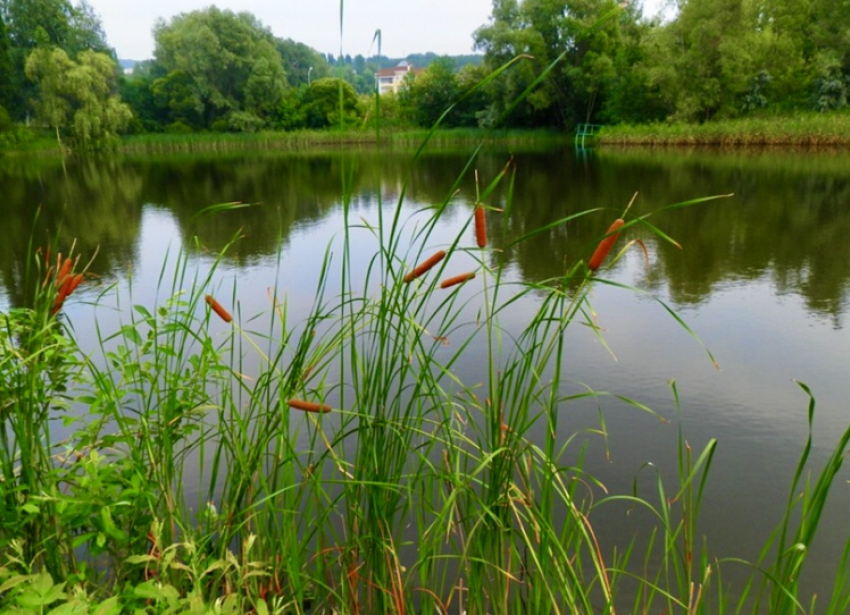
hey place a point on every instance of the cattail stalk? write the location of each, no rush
(458, 279)
(216, 307)
(480, 227)
(605, 245)
(425, 266)
(308, 406)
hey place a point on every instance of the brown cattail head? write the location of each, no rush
(64, 271)
(308, 406)
(68, 286)
(425, 266)
(216, 307)
(57, 305)
(480, 227)
(74, 282)
(66, 281)
(458, 279)
(605, 245)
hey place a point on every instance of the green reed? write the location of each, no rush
(800, 129)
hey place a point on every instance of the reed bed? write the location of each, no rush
(312, 139)
(800, 130)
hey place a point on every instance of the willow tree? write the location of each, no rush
(77, 97)
(46, 23)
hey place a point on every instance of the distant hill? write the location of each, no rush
(125, 64)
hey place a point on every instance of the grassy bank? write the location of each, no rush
(319, 139)
(809, 129)
(226, 462)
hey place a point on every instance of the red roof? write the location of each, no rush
(400, 70)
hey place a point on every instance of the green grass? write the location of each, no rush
(802, 129)
(418, 492)
(317, 139)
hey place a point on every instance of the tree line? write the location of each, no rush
(559, 63)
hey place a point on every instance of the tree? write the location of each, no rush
(78, 97)
(629, 95)
(136, 90)
(7, 68)
(301, 63)
(426, 96)
(230, 61)
(566, 33)
(56, 23)
(321, 104)
(704, 59)
(177, 100)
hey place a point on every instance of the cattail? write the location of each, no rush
(480, 227)
(425, 266)
(605, 245)
(63, 293)
(75, 281)
(458, 279)
(308, 406)
(57, 305)
(64, 271)
(216, 307)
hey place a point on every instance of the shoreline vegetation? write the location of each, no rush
(313, 139)
(800, 130)
(826, 130)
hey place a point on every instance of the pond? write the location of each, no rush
(761, 281)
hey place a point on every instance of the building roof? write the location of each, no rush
(403, 67)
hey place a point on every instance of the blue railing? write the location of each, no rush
(586, 130)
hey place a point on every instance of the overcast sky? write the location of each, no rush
(407, 26)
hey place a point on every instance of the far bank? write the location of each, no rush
(809, 129)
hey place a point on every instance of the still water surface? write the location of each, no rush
(762, 278)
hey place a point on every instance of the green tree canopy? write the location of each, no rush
(543, 31)
(301, 63)
(230, 60)
(7, 69)
(58, 23)
(79, 97)
(321, 104)
(74, 28)
(426, 96)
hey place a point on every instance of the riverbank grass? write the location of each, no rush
(409, 139)
(802, 129)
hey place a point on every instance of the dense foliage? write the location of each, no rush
(714, 58)
(565, 62)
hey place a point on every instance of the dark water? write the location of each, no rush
(762, 278)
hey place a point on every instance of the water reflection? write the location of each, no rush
(787, 221)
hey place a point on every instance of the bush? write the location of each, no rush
(179, 128)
